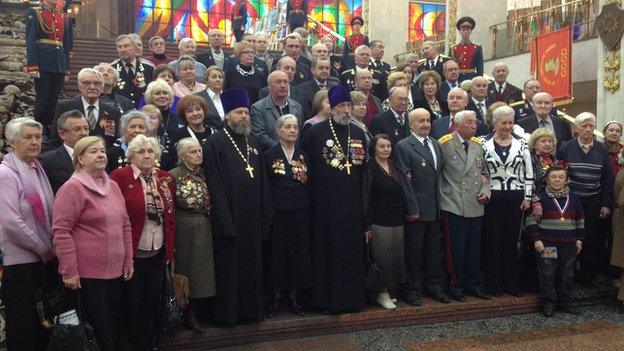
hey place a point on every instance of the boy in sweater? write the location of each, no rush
(558, 237)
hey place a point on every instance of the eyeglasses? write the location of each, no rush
(95, 83)
(78, 129)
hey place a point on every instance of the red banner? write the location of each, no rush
(551, 63)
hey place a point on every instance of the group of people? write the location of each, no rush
(266, 180)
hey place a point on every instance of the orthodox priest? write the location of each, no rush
(242, 212)
(336, 150)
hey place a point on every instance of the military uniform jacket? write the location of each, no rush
(49, 40)
(524, 108)
(133, 88)
(438, 65)
(510, 94)
(462, 176)
(380, 89)
(469, 57)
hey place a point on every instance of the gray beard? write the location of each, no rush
(241, 128)
(342, 120)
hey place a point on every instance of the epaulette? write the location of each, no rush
(476, 140)
(444, 56)
(445, 138)
(514, 104)
(421, 61)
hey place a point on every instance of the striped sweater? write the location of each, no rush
(555, 228)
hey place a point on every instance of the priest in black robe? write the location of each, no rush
(337, 156)
(241, 212)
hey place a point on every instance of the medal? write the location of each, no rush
(565, 207)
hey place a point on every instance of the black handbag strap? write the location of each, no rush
(58, 315)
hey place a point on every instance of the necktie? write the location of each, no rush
(480, 107)
(543, 123)
(500, 89)
(431, 64)
(453, 85)
(91, 116)
(426, 143)
(130, 69)
(378, 63)
(401, 120)
(465, 145)
(452, 127)
(322, 86)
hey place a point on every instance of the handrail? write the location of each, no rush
(532, 14)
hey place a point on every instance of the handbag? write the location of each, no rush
(519, 242)
(65, 337)
(170, 312)
(373, 271)
(181, 290)
(48, 296)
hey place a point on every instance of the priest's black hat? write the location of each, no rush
(234, 98)
(337, 95)
(357, 19)
(466, 21)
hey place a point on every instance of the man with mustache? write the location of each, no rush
(241, 219)
(336, 158)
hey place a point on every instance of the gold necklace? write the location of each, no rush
(331, 126)
(246, 160)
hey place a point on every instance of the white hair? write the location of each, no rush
(90, 70)
(459, 116)
(541, 94)
(360, 48)
(183, 145)
(13, 129)
(130, 115)
(141, 140)
(502, 111)
(279, 123)
(107, 65)
(583, 117)
(184, 41)
(463, 92)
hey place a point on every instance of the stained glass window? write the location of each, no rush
(426, 19)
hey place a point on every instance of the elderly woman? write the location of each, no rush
(194, 257)
(155, 119)
(542, 144)
(245, 75)
(25, 233)
(131, 124)
(509, 165)
(148, 194)
(320, 110)
(214, 108)
(612, 132)
(93, 239)
(192, 109)
(160, 94)
(290, 262)
(359, 102)
(399, 79)
(166, 73)
(187, 84)
(390, 199)
(591, 179)
(429, 83)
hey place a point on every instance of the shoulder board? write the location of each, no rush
(444, 56)
(445, 138)
(422, 61)
(517, 103)
(476, 140)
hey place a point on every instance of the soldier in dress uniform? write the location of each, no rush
(354, 41)
(524, 107)
(49, 41)
(431, 60)
(467, 54)
(239, 19)
(296, 10)
(134, 76)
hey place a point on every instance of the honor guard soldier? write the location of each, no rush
(354, 41)
(297, 17)
(49, 41)
(468, 55)
(239, 19)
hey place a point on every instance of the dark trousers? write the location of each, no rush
(502, 225)
(47, 89)
(24, 331)
(100, 301)
(141, 297)
(594, 257)
(423, 249)
(464, 258)
(556, 276)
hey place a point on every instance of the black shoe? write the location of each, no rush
(516, 293)
(569, 310)
(439, 296)
(295, 307)
(479, 294)
(413, 300)
(274, 308)
(457, 296)
(548, 310)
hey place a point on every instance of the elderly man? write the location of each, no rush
(457, 101)
(262, 49)
(431, 59)
(451, 76)
(362, 60)
(138, 49)
(110, 76)
(336, 152)
(214, 56)
(524, 107)
(102, 117)
(321, 79)
(236, 182)
(464, 189)
(500, 89)
(157, 47)
(378, 48)
(478, 97)
(542, 105)
(304, 34)
(591, 179)
(188, 47)
(134, 76)
(364, 84)
(419, 158)
(287, 65)
(266, 111)
(393, 122)
(57, 163)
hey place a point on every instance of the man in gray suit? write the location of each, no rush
(265, 112)
(419, 157)
(464, 189)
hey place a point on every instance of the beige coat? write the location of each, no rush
(617, 253)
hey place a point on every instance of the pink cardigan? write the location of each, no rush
(91, 228)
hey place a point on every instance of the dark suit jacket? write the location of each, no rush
(230, 62)
(126, 87)
(386, 123)
(106, 126)
(309, 89)
(423, 65)
(302, 71)
(440, 127)
(212, 115)
(424, 104)
(563, 131)
(384, 68)
(380, 85)
(444, 90)
(524, 108)
(296, 94)
(122, 103)
(510, 95)
(288, 193)
(411, 158)
(206, 58)
(473, 107)
(58, 166)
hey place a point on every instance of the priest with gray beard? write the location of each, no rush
(241, 212)
(337, 159)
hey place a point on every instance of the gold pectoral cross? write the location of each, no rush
(250, 170)
(348, 166)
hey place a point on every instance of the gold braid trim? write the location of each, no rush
(44, 27)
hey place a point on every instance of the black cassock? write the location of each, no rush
(338, 216)
(241, 217)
